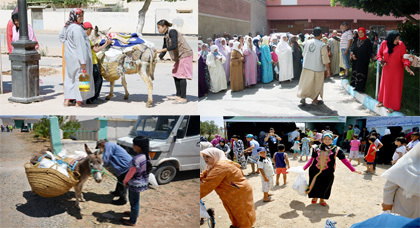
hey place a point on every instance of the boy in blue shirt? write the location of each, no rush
(280, 162)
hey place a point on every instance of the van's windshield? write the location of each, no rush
(155, 127)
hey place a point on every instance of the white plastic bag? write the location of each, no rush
(301, 184)
(203, 211)
(152, 180)
(47, 163)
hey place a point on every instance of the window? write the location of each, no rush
(289, 2)
(193, 126)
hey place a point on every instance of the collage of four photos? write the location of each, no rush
(195, 113)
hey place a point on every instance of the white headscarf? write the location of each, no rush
(236, 47)
(283, 47)
(246, 43)
(406, 172)
(387, 132)
(213, 48)
(265, 40)
(215, 153)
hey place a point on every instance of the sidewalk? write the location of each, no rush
(51, 90)
(369, 102)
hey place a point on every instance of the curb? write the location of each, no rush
(368, 101)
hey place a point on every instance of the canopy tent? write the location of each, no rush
(278, 119)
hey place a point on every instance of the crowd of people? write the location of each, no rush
(225, 159)
(243, 61)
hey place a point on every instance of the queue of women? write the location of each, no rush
(80, 56)
(244, 61)
(401, 193)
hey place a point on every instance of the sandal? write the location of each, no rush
(180, 102)
(172, 97)
(269, 200)
(314, 201)
(380, 104)
(389, 110)
(324, 204)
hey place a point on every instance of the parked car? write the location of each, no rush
(24, 128)
(173, 143)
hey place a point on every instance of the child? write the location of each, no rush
(295, 147)
(306, 149)
(371, 154)
(400, 151)
(414, 140)
(275, 62)
(354, 149)
(266, 169)
(280, 162)
(137, 177)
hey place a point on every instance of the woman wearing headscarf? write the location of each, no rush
(266, 66)
(321, 169)
(236, 68)
(361, 53)
(297, 58)
(390, 55)
(402, 189)
(388, 148)
(225, 148)
(284, 53)
(78, 57)
(256, 42)
(203, 72)
(180, 52)
(251, 63)
(215, 62)
(225, 51)
(227, 179)
(15, 31)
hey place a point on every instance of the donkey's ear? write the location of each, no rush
(87, 150)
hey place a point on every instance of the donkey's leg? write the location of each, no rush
(124, 83)
(147, 80)
(111, 91)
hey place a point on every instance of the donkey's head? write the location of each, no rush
(95, 164)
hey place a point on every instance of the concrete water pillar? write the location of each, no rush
(25, 63)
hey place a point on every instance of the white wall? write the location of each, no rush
(122, 21)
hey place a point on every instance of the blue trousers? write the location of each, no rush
(134, 198)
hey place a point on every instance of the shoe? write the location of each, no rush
(127, 222)
(113, 193)
(302, 101)
(119, 202)
(324, 204)
(314, 201)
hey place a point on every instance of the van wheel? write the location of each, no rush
(165, 173)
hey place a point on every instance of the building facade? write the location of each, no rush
(301, 16)
(234, 17)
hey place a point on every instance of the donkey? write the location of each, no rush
(91, 164)
(139, 59)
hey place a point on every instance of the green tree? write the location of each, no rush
(396, 8)
(208, 128)
(42, 128)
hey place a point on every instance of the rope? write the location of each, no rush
(92, 170)
(61, 162)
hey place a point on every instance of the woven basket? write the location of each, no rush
(48, 182)
(109, 71)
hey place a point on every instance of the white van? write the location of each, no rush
(173, 143)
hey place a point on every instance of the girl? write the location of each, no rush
(400, 151)
(321, 169)
(267, 171)
(182, 54)
(371, 154)
(306, 150)
(296, 147)
(137, 177)
(354, 149)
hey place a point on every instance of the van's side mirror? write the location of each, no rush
(174, 140)
(180, 134)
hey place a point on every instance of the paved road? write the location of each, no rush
(280, 100)
(52, 91)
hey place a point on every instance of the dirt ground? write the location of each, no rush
(174, 204)
(354, 198)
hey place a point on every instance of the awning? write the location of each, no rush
(382, 121)
(296, 119)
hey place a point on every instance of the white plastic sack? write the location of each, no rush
(152, 180)
(63, 153)
(46, 163)
(301, 184)
(112, 54)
